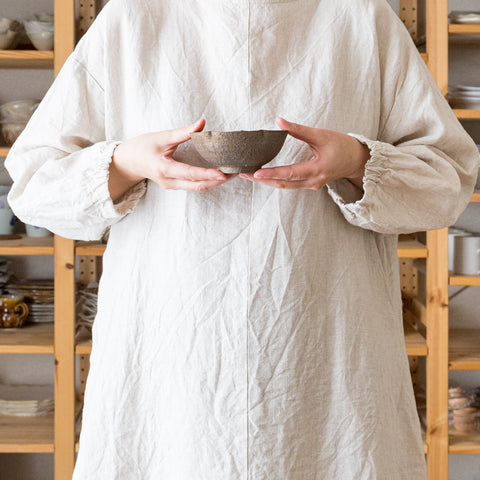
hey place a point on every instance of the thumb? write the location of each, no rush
(180, 135)
(302, 132)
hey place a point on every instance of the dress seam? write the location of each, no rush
(248, 250)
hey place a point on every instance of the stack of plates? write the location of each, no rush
(39, 298)
(464, 97)
(464, 17)
(26, 400)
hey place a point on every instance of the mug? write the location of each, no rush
(466, 259)
(34, 231)
(452, 233)
(13, 311)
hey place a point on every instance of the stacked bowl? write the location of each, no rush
(14, 117)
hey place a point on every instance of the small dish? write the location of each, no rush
(240, 151)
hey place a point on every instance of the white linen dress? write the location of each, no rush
(248, 332)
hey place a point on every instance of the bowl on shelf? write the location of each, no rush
(18, 110)
(41, 34)
(240, 151)
(9, 33)
(14, 116)
(11, 131)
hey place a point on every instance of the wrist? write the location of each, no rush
(122, 166)
(360, 157)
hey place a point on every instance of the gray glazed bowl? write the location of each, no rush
(240, 151)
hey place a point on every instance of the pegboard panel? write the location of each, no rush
(89, 270)
(408, 277)
(413, 15)
(84, 369)
(413, 361)
(87, 11)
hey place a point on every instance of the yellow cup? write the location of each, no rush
(13, 311)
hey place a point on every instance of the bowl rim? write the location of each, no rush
(236, 132)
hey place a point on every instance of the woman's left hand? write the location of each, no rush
(334, 155)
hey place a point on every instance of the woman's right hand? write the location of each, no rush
(150, 156)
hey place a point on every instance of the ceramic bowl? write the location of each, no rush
(458, 403)
(9, 33)
(11, 131)
(18, 110)
(41, 34)
(239, 151)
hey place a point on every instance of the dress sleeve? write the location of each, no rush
(423, 164)
(60, 162)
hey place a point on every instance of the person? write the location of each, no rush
(248, 326)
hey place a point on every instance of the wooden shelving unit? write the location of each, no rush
(58, 433)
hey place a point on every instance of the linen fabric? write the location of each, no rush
(247, 332)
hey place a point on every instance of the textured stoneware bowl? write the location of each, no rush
(240, 151)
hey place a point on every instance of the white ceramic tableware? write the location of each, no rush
(466, 260)
(452, 233)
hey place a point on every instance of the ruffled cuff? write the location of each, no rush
(97, 186)
(354, 203)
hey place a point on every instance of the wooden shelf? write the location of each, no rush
(475, 197)
(26, 434)
(462, 443)
(26, 59)
(416, 343)
(96, 249)
(466, 280)
(83, 345)
(464, 349)
(458, 28)
(27, 246)
(412, 249)
(424, 56)
(467, 114)
(4, 150)
(31, 338)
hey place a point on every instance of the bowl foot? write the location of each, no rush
(239, 169)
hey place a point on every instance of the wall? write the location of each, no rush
(19, 84)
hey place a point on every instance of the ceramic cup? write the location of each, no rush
(13, 310)
(34, 231)
(466, 259)
(7, 221)
(452, 233)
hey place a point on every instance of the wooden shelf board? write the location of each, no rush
(412, 249)
(26, 59)
(467, 114)
(90, 248)
(27, 246)
(475, 197)
(83, 345)
(31, 338)
(463, 28)
(467, 280)
(464, 349)
(26, 434)
(416, 343)
(463, 443)
(4, 150)
(424, 56)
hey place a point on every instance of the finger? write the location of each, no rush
(180, 135)
(199, 187)
(302, 132)
(293, 173)
(172, 169)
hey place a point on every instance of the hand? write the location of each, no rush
(335, 155)
(150, 156)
